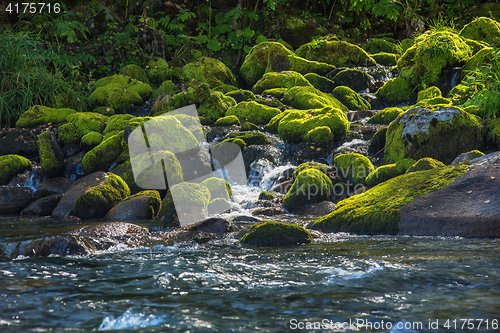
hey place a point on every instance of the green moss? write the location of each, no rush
(138, 121)
(248, 126)
(216, 106)
(385, 59)
(376, 45)
(353, 78)
(40, 115)
(300, 65)
(475, 154)
(214, 71)
(166, 88)
(117, 123)
(425, 163)
(11, 165)
(157, 70)
(296, 124)
(264, 195)
(67, 134)
(86, 122)
(308, 165)
(254, 112)
(151, 175)
(193, 95)
(144, 90)
(440, 133)
(90, 141)
(428, 93)
(337, 53)
(407, 43)
(461, 94)
(422, 64)
(237, 141)
(494, 127)
(377, 210)
(310, 186)
(482, 29)
(224, 88)
(351, 99)
(355, 167)
(306, 98)
(481, 58)
(276, 233)
(389, 171)
(189, 196)
(241, 95)
(98, 200)
(275, 92)
(286, 79)
(396, 91)
(104, 110)
(102, 156)
(135, 72)
(153, 203)
(251, 138)
(475, 110)
(50, 162)
(385, 116)
(436, 101)
(228, 121)
(115, 96)
(218, 187)
(320, 82)
(320, 135)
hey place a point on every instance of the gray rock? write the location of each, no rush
(132, 209)
(14, 198)
(321, 209)
(43, 206)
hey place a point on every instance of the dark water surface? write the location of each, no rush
(224, 287)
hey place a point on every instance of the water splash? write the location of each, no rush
(130, 320)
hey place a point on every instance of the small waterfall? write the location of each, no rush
(31, 178)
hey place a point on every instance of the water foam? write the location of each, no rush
(130, 320)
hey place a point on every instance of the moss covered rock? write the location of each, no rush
(310, 186)
(286, 79)
(337, 53)
(104, 110)
(115, 96)
(425, 163)
(103, 155)
(251, 138)
(98, 200)
(218, 187)
(248, 126)
(481, 58)
(386, 172)
(228, 121)
(423, 63)
(90, 140)
(190, 203)
(461, 94)
(440, 133)
(51, 155)
(321, 135)
(396, 91)
(135, 72)
(166, 88)
(40, 115)
(11, 165)
(264, 195)
(193, 95)
(296, 124)
(212, 70)
(435, 101)
(377, 210)
(354, 167)
(143, 205)
(216, 106)
(385, 116)
(353, 78)
(274, 57)
(385, 59)
(84, 122)
(241, 95)
(276, 233)
(376, 45)
(218, 206)
(428, 93)
(351, 99)
(144, 90)
(254, 112)
(320, 82)
(308, 165)
(306, 98)
(157, 70)
(152, 174)
(482, 29)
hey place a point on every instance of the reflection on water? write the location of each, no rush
(224, 287)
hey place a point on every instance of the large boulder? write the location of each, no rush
(43, 206)
(469, 207)
(377, 211)
(11, 165)
(440, 133)
(92, 196)
(396, 91)
(276, 233)
(353, 78)
(212, 70)
(143, 205)
(337, 53)
(40, 115)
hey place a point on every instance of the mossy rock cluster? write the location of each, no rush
(90, 141)
(377, 45)
(98, 200)
(157, 70)
(337, 53)
(354, 167)
(80, 124)
(251, 138)
(212, 70)
(276, 233)
(241, 95)
(310, 186)
(377, 211)
(385, 59)
(351, 99)
(295, 125)
(440, 133)
(12, 165)
(396, 91)
(40, 115)
(196, 94)
(286, 80)
(306, 98)
(254, 112)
